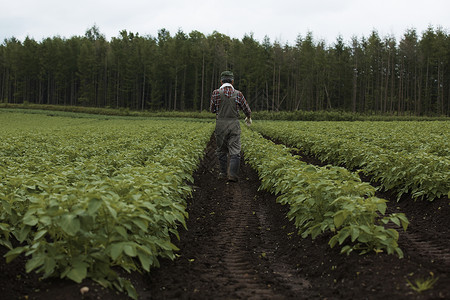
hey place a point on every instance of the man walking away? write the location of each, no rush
(225, 103)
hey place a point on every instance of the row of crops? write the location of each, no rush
(406, 157)
(82, 196)
(324, 199)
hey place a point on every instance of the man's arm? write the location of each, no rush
(213, 102)
(244, 105)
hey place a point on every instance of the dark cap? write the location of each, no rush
(227, 75)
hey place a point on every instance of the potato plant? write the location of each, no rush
(82, 196)
(406, 157)
(324, 199)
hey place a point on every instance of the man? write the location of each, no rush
(225, 103)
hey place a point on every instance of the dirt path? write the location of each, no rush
(232, 247)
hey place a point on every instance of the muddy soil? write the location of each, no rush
(240, 245)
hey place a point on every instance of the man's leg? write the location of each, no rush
(223, 164)
(235, 161)
(234, 147)
(222, 150)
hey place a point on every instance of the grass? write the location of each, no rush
(421, 284)
(256, 115)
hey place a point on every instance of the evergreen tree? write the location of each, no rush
(369, 74)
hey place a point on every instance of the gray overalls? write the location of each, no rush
(228, 134)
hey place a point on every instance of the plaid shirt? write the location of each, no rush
(228, 91)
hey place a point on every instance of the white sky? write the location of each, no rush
(280, 20)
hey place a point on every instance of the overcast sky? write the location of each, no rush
(281, 20)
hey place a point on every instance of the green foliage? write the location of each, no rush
(82, 111)
(84, 195)
(421, 284)
(324, 199)
(101, 113)
(177, 72)
(327, 115)
(408, 157)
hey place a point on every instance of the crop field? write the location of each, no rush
(408, 157)
(118, 207)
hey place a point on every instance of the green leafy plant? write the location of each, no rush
(83, 196)
(324, 199)
(406, 157)
(421, 284)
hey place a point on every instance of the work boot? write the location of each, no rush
(223, 164)
(235, 161)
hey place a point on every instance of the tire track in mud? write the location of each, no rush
(437, 252)
(232, 244)
(245, 239)
(233, 238)
(273, 247)
(254, 233)
(420, 243)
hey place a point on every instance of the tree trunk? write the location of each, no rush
(48, 90)
(117, 86)
(355, 85)
(427, 98)
(176, 87)
(143, 92)
(203, 82)
(279, 88)
(387, 84)
(400, 95)
(105, 83)
(273, 87)
(328, 98)
(183, 90)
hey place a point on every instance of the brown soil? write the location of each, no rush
(240, 245)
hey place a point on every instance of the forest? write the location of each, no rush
(371, 75)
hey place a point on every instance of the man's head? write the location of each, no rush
(227, 77)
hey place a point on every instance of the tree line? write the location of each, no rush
(178, 72)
